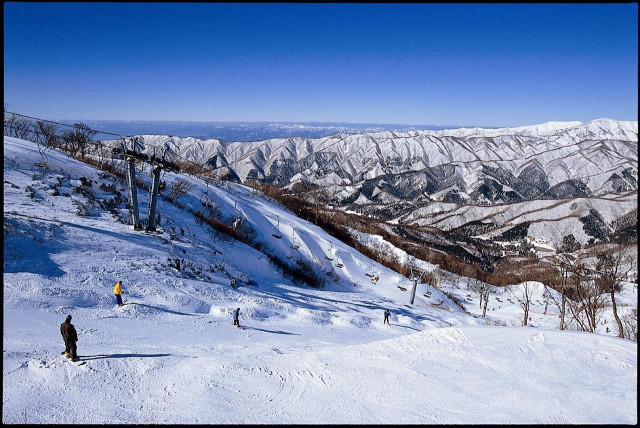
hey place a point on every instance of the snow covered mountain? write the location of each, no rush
(304, 355)
(238, 131)
(554, 160)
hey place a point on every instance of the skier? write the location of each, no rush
(386, 316)
(236, 314)
(117, 291)
(70, 337)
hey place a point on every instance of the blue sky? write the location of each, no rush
(439, 64)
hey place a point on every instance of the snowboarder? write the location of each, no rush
(117, 291)
(70, 337)
(236, 314)
(387, 312)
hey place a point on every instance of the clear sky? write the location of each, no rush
(438, 64)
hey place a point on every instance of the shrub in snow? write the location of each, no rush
(178, 188)
(630, 323)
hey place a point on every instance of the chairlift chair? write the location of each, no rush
(277, 235)
(327, 256)
(293, 235)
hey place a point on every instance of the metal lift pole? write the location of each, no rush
(415, 286)
(155, 182)
(133, 192)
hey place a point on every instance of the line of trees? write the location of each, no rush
(49, 135)
(585, 292)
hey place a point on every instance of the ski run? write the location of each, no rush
(171, 355)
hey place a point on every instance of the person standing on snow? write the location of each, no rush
(236, 314)
(70, 337)
(117, 291)
(387, 312)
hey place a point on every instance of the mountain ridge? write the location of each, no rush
(477, 165)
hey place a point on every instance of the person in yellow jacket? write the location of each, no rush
(117, 291)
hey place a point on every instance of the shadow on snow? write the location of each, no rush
(102, 356)
(269, 331)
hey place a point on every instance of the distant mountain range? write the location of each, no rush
(418, 176)
(554, 160)
(242, 131)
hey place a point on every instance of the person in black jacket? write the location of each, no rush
(236, 315)
(70, 337)
(386, 316)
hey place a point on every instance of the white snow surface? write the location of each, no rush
(304, 355)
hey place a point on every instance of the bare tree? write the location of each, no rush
(614, 268)
(477, 287)
(484, 291)
(588, 303)
(630, 321)
(8, 121)
(48, 132)
(211, 208)
(565, 286)
(523, 292)
(489, 290)
(178, 188)
(434, 277)
(79, 139)
(16, 126)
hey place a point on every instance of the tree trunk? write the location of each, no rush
(562, 310)
(615, 311)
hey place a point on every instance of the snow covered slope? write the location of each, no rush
(309, 355)
(548, 219)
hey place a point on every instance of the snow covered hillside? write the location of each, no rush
(304, 355)
(548, 219)
(471, 165)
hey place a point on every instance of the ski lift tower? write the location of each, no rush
(415, 278)
(158, 166)
(131, 181)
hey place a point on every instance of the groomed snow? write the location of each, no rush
(304, 356)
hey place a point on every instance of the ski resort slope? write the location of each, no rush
(304, 355)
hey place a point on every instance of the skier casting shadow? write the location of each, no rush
(70, 337)
(236, 322)
(117, 292)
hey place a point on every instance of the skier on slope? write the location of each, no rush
(236, 314)
(386, 316)
(70, 337)
(117, 291)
